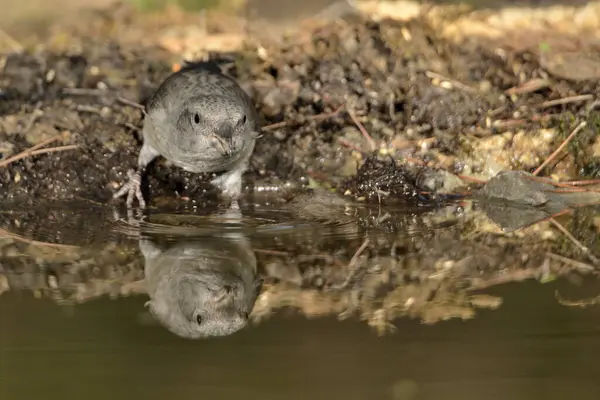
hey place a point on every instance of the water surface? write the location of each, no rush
(69, 329)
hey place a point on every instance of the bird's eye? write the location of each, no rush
(199, 319)
(196, 118)
(243, 119)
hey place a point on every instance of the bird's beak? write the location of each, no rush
(222, 144)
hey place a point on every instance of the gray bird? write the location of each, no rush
(202, 121)
(202, 287)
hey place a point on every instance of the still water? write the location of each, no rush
(69, 329)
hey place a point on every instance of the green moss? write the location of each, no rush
(579, 146)
(593, 121)
(582, 227)
(591, 168)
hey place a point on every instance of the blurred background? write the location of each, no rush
(25, 18)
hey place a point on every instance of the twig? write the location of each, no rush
(35, 115)
(572, 189)
(131, 103)
(565, 100)
(593, 106)
(20, 238)
(272, 252)
(25, 153)
(401, 144)
(301, 257)
(362, 130)
(509, 123)
(32, 152)
(573, 263)
(582, 183)
(577, 243)
(576, 303)
(514, 276)
(567, 187)
(54, 149)
(413, 160)
(471, 179)
(327, 115)
(528, 87)
(352, 146)
(131, 126)
(84, 92)
(453, 82)
(354, 271)
(577, 129)
(89, 109)
(360, 250)
(317, 117)
(547, 181)
(320, 176)
(274, 126)
(13, 43)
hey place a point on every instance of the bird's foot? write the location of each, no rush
(133, 188)
(230, 183)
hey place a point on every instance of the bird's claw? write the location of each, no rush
(230, 184)
(133, 188)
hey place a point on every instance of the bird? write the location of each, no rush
(200, 120)
(201, 287)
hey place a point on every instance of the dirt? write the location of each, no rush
(368, 67)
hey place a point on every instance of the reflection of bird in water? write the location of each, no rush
(201, 287)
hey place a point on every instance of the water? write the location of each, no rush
(74, 321)
(531, 348)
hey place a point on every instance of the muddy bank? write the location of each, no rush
(416, 96)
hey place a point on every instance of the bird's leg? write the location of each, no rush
(233, 212)
(133, 187)
(230, 182)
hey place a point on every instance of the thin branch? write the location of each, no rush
(565, 100)
(362, 130)
(573, 263)
(352, 146)
(354, 271)
(84, 91)
(576, 242)
(577, 303)
(131, 103)
(20, 238)
(360, 250)
(453, 82)
(582, 183)
(317, 117)
(276, 125)
(55, 149)
(577, 129)
(471, 179)
(25, 153)
(528, 87)
(32, 152)
(272, 252)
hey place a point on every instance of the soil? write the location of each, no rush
(367, 67)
